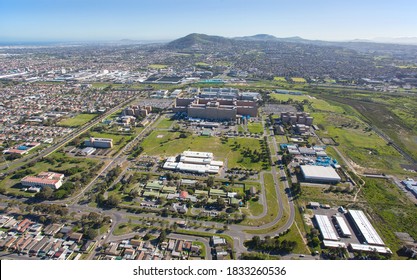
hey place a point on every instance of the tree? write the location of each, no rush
(162, 236)
(45, 193)
(210, 181)
(91, 233)
(112, 201)
(221, 204)
(147, 236)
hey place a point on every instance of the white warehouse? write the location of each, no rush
(320, 174)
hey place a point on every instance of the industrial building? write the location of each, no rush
(343, 227)
(411, 185)
(365, 228)
(43, 179)
(369, 248)
(326, 227)
(99, 143)
(194, 162)
(320, 174)
(215, 109)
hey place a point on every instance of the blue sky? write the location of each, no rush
(170, 19)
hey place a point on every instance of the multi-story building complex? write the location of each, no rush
(137, 111)
(297, 118)
(216, 109)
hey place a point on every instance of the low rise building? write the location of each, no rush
(103, 143)
(43, 179)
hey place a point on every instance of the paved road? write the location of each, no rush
(237, 232)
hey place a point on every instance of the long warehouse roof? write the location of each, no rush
(343, 226)
(365, 227)
(326, 228)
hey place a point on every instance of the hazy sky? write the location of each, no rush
(170, 19)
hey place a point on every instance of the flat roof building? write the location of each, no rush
(320, 174)
(99, 142)
(364, 226)
(43, 179)
(216, 108)
(194, 162)
(326, 227)
(344, 229)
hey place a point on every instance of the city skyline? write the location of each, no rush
(70, 20)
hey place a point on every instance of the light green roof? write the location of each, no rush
(169, 189)
(200, 192)
(155, 185)
(217, 192)
(151, 193)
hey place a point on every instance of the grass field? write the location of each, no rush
(272, 202)
(298, 80)
(280, 79)
(255, 127)
(394, 115)
(314, 104)
(165, 123)
(390, 211)
(202, 64)
(62, 163)
(157, 66)
(255, 208)
(343, 124)
(165, 143)
(365, 148)
(78, 120)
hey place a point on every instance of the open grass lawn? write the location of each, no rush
(202, 64)
(394, 115)
(124, 228)
(320, 194)
(365, 148)
(315, 103)
(390, 210)
(157, 66)
(165, 143)
(285, 206)
(272, 202)
(255, 128)
(255, 207)
(78, 120)
(280, 79)
(165, 123)
(119, 140)
(298, 80)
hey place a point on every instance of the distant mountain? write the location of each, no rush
(401, 40)
(196, 40)
(271, 38)
(258, 37)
